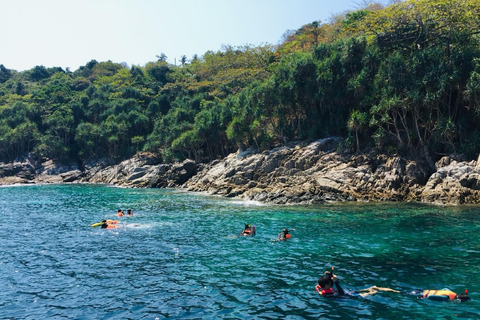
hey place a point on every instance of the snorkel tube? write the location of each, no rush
(463, 297)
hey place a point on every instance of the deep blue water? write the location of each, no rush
(180, 257)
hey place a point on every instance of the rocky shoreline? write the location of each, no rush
(298, 173)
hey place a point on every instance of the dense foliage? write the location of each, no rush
(405, 78)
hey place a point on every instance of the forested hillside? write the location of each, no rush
(402, 79)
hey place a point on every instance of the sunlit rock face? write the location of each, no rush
(300, 172)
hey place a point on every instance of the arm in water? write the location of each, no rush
(337, 285)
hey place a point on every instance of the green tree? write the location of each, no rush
(58, 134)
(137, 140)
(183, 60)
(162, 57)
(5, 74)
(357, 121)
(39, 73)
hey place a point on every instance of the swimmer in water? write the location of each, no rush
(247, 231)
(285, 234)
(440, 295)
(104, 224)
(327, 281)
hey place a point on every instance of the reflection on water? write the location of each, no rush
(180, 257)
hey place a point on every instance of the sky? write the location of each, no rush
(70, 33)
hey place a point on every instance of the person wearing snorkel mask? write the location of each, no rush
(440, 295)
(285, 234)
(327, 281)
(104, 224)
(248, 230)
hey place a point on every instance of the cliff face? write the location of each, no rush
(298, 173)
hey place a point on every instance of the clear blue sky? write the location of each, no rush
(69, 33)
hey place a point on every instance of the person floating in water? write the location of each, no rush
(440, 295)
(248, 230)
(129, 212)
(285, 234)
(104, 224)
(120, 213)
(327, 281)
(110, 224)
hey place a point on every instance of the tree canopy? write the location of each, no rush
(402, 79)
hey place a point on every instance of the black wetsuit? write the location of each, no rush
(338, 292)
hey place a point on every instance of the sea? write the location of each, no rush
(181, 256)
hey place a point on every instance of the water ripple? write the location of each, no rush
(180, 257)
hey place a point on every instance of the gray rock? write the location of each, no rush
(295, 173)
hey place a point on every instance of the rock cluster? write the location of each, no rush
(297, 173)
(313, 173)
(31, 170)
(143, 170)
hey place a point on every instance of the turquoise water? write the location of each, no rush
(179, 257)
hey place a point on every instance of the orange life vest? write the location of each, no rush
(443, 294)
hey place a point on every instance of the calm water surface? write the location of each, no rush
(180, 257)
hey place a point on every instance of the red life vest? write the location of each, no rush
(327, 291)
(324, 292)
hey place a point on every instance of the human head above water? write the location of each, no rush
(463, 297)
(326, 281)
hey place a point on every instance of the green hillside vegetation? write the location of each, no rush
(402, 79)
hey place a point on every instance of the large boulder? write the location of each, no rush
(21, 170)
(173, 175)
(453, 183)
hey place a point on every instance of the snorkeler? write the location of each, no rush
(285, 234)
(440, 295)
(248, 230)
(104, 224)
(326, 283)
